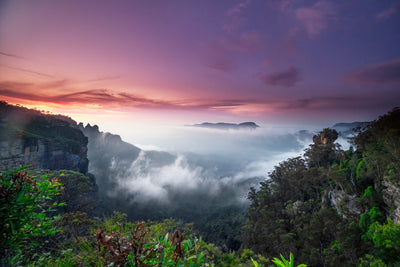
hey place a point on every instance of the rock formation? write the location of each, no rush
(29, 137)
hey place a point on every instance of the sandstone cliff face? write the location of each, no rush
(342, 202)
(28, 137)
(391, 196)
(40, 154)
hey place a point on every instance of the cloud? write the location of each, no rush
(383, 73)
(108, 98)
(147, 183)
(266, 62)
(94, 96)
(387, 13)
(11, 55)
(288, 77)
(247, 41)
(234, 16)
(315, 18)
(29, 71)
(250, 106)
(105, 78)
(349, 102)
(15, 93)
(221, 54)
(321, 102)
(285, 5)
(215, 56)
(206, 164)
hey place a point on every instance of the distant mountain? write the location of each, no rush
(227, 126)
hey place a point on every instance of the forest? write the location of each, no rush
(328, 207)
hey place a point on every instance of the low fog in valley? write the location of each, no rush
(188, 159)
(195, 161)
(193, 174)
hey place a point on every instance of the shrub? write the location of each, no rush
(24, 202)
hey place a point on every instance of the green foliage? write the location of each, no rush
(286, 263)
(24, 204)
(370, 261)
(77, 190)
(76, 226)
(369, 192)
(386, 240)
(359, 168)
(255, 263)
(328, 207)
(118, 242)
(368, 220)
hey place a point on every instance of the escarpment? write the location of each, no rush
(29, 137)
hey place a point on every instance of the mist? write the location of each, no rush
(191, 174)
(208, 162)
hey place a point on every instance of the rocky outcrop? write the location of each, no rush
(342, 202)
(28, 137)
(109, 155)
(391, 197)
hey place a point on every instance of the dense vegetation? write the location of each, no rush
(329, 208)
(34, 235)
(333, 207)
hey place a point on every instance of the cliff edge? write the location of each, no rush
(30, 137)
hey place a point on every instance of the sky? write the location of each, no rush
(183, 62)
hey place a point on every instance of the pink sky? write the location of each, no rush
(186, 61)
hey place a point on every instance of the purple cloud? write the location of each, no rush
(387, 13)
(386, 72)
(93, 96)
(247, 41)
(29, 71)
(288, 77)
(25, 91)
(221, 55)
(285, 5)
(234, 16)
(217, 57)
(108, 98)
(315, 18)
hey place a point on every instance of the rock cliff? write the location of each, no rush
(391, 196)
(29, 137)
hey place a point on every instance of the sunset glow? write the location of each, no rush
(258, 60)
